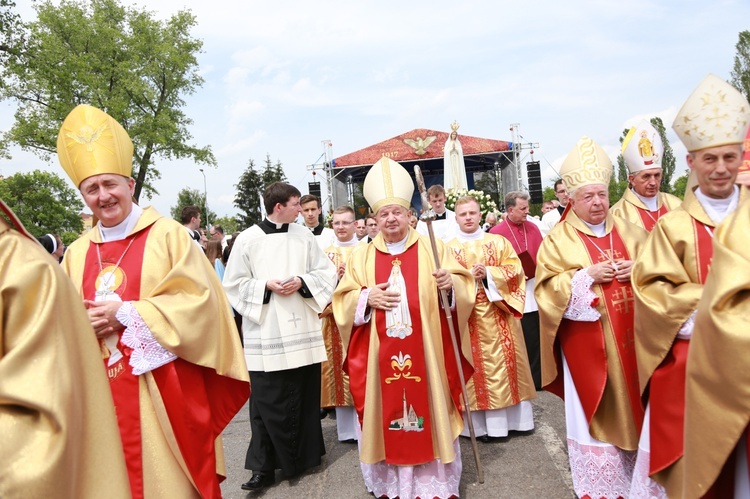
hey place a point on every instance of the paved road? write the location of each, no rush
(524, 465)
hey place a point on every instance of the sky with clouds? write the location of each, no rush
(281, 77)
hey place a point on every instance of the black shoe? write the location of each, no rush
(258, 481)
(323, 413)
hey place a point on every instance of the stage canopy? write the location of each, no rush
(424, 147)
(421, 147)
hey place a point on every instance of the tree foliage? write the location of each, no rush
(192, 197)
(741, 70)
(668, 162)
(44, 203)
(229, 224)
(680, 185)
(250, 188)
(120, 59)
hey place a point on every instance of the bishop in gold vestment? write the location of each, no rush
(642, 204)
(586, 316)
(403, 372)
(58, 432)
(668, 280)
(501, 388)
(717, 398)
(166, 331)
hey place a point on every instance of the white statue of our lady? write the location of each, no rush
(454, 170)
(398, 319)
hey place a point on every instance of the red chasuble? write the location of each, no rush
(667, 385)
(583, 342)
(199, 403)
(649, 218)
(406, 404)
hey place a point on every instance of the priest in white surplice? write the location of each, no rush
(279, 280)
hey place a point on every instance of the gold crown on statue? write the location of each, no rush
(454, 126)
(586, 164)
(715, 114)
(91, 142)
(387, 183)
(642, 148)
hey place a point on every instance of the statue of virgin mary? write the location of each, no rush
(454, 171)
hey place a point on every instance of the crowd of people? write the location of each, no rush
(635, 314)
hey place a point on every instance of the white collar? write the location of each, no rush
(398, 247)
(718, 209)
(599, 229)
(352, 242)
(651, 203)
(121, 230)
(473, 236)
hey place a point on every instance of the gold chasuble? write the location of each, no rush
(600, 354)
(58, 432)
(170, 417)
(335, 382)
(502, 376)
(717, 398)
(668, 279)
(634, 211)
(403, 372)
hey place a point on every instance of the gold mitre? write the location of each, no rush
(91, 142)
(387, 183)
(642, 148)
(586, 164)
(715, 114)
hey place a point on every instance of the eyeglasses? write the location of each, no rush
(212, 234)
(342, 223)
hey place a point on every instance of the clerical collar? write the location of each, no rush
(718, 209)
(651, 203)
(470, 236)
(121, 230)
(441, 216)
(317, 230)
(599, 230)
(398, 247)
(560, 209)
(270, 227)
(352, 242)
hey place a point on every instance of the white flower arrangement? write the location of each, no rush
(486, 204)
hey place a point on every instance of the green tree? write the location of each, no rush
(120, 59)
(668, 162)
(44, 203)
(680, 185)
(618, 183)
(487, 183)
(741, 70)
(229, 224)
(192, 197)
(250, 188)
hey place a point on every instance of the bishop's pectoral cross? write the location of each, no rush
(622, 299)
(294, 320)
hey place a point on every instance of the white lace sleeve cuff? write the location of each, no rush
(147, 354)
(360, 317)
(686, 330)
(581, 306)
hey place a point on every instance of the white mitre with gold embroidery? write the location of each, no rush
(715, 114)
(586, 164)
(642, 148)
(387, 183)
(91, 142)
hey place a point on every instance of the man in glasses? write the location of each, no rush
(550, 218)
(335, 382)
